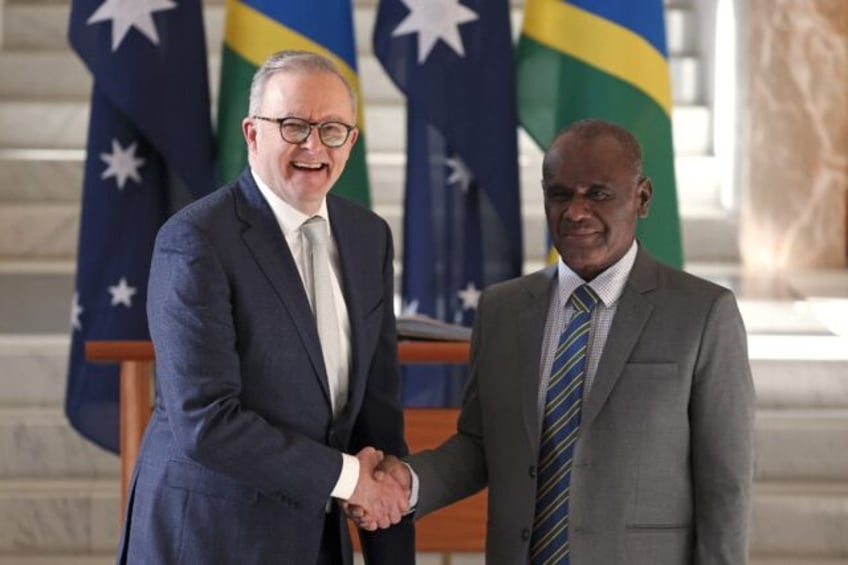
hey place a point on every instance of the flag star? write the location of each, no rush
(470, 295)
(76, 311)
(130, 13)
(433, 20)
(122, 164)
(410, 308)
(122, 293)
(460, 173)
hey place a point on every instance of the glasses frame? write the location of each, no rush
(317, 125)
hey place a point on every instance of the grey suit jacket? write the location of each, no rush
(242, 450)
(664, 460)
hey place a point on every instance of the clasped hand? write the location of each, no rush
(381, 496)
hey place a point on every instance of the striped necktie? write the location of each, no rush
(549, 544)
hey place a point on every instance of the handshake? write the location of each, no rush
(381, 496)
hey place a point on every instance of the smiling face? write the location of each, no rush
(593, 197)
(301, 174)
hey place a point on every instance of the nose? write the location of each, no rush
(578, 209)
(313, 140)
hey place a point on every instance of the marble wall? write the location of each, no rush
(794, 123)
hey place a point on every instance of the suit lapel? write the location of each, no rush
(531, 329)
(352, 289)
(630, 317)
(266, 243)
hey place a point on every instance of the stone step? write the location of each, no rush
(802, 445)
(421, 559)
(109, 559)
(59, 516)
(34, 368)
(59, 559)
(807, 520)
(63, 125)
(36, 364)
(40, 444)
(42, 231)
(50, 231)
(796, 384)
(61, 75)
(800, 560)
(44, 25)
(55, 175)
(800, 519)
(41, 175)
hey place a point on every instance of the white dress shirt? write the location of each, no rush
(290, 220)
(608, 286)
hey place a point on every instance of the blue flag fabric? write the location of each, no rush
(149, 151)
(453, 60)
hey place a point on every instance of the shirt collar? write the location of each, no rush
(608, 285)
(289, 217)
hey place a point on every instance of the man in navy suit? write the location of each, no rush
(251, 442)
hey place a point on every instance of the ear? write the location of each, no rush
(248, 129)
(354, 135)
(644, 192)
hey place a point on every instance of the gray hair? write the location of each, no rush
(292, 61)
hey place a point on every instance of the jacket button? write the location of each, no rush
(525, 534)
(532, 471)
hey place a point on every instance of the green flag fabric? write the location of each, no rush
(606, 60)
(257, 28)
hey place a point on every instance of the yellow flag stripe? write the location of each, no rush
(601, 43)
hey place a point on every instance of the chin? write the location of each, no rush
(582, 263)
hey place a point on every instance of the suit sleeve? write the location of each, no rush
(199, 379)
(722, 426)
(457, 468)
(380, 422)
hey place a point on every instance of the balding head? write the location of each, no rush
(590, 129)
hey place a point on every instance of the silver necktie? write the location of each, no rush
(321, 296)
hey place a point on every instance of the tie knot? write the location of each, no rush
(315, 230)
(584, 298)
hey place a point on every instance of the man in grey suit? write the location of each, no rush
(257, 418)
(659, 466)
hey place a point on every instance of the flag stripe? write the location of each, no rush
(333, 30)
(636, 16)
(254, 36)
(601, 43)
(566, 89)
(236, 74)
(353, 183)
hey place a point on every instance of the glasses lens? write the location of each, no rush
(333, 134)
(294, 130)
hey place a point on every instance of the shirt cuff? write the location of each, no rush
(347, 478)
(413, 494)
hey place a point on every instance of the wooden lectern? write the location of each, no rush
(460, 527)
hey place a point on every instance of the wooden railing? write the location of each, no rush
(457, 528)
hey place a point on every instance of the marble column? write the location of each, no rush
(794, 129)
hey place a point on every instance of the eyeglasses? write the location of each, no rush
(296, 130)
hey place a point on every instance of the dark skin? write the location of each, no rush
(594, 195)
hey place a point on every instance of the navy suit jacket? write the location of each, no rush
(242, 450)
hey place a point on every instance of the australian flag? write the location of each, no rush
(453, 60)
(149, 151)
